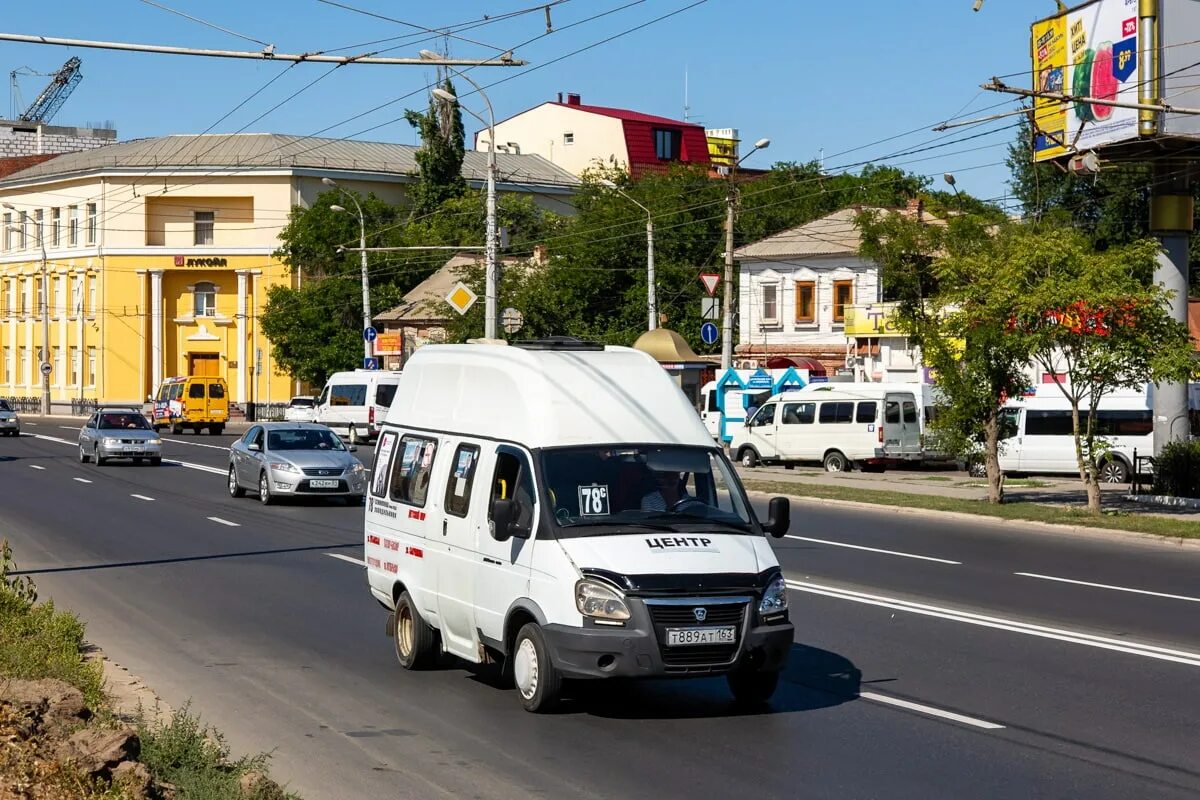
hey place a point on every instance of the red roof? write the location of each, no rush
(630, 116)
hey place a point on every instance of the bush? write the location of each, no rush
(1177, 470)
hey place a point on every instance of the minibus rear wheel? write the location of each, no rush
(1113, 470)
(836, 462)
(416, 642)
(748, 457)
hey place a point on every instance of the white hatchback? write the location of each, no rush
(302, 408)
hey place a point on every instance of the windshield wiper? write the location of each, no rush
(622, 524)
(687, 519)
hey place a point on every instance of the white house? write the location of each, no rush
(798, 290)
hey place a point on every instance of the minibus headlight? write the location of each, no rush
(599, 601)
(774, 599)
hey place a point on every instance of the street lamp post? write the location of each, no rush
(727, 297)
(45, 405)
(651, 292)
(491, 269)
(368, 347)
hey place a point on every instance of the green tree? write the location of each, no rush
(1094, 315)
(953, 301)
(441, 155)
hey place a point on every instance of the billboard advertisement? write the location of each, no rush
(1090, 51)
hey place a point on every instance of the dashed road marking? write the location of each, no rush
(1002, 623)
(81, 480)
(874, 549)
(220, 521)
(186, 464)
(349, 559)
(36, 466)
(142, 497)
(1107, 586)
(68, 428)
(935, 712)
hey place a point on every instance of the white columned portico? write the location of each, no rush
(242, 281)
(156, 328)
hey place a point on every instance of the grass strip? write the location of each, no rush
(1023, 510)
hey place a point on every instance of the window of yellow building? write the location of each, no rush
(55, 227)
(91, 367)
(203, 221)
(205, 295)
(72, 226)
(91, 223)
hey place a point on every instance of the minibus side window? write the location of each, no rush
(1048, 423)
(410, 478)
(351, 394)
(384, 394)
(836, 412)
(712, 401)
(176, 391)
(866, 411)
(799, 413)
(765, 416)
(513, 480)
(383, 460)
(196, 390)
(462, 477)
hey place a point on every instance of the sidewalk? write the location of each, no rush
(1052, 490)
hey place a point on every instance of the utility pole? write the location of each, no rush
(651, 293)
(368, 347)
(727, 295)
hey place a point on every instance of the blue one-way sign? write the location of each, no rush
(709, 333)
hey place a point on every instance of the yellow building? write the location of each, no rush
(159, 254)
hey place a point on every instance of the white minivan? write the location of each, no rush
(527, 506)
(840, 428)
(355, 403)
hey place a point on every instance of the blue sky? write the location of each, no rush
(838, 76)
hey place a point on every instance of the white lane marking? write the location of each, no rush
(36, 466)
(187, 464)
(68, 428)
(31, 424)
(351, 559)
(195, 444)
(82, 480)
(1107, 586)
(220, 521)
(874, 549)
(1002, 623)
(142, 497)
(923, 709)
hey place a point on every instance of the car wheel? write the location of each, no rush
(977, 469)
(835, 462)
(415, 641)
(264, 490)
(83, 456)
(176, 430)
(100, 462)
(1114, 471)
(748, 457)
(156, 461)
(752, 689)
(235, 489)
(538, 681)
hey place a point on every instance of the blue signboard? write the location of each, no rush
(709, 333)
(760, 380)
(370, 334)
(370, 363)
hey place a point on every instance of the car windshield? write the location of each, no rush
(302, 402)
(304, 439)
(644, 486)
(4, 406)
(129, 420)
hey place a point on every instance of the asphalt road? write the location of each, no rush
(924, 666)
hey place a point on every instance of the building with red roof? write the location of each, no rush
(576, 137)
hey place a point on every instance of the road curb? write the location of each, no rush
(1087, 530)
(132, 699)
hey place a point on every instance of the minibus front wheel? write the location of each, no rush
(1113, 470)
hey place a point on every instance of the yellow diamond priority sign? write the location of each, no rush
(461, 298)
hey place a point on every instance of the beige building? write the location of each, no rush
(159, 254)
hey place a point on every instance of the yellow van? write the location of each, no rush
(194, 401)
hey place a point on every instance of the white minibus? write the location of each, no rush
(355, 403)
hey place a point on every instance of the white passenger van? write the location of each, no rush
(354, 404)
(528, 506)
(867, 427)
(1038, 435)
(927, 406)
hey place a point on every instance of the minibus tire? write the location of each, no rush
(533, 667)
(1113, 470)
(414, 640)
(176, 430)
(834, 461)
(752, 689)
(748, 458)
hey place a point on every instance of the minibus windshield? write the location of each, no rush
(662, 487)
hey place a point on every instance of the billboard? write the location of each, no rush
(1090, 51)
(871, 320)
(722, 145)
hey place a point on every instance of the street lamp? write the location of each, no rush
(45, 312)
(651, 294)
(362, 252)
(727, 297)
(492, 279)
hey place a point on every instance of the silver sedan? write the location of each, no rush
(10, 423)
(293, 459)
(118, 433)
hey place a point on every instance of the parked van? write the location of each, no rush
(863, 427)
(525, 506)
(926, 395)
(1038, 435)
(194, 402)
(354, 404)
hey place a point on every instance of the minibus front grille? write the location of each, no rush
(677, 614)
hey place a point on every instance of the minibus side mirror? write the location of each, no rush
(149, 398)
(779, 517)
(504, 521)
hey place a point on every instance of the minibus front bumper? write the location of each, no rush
(640, 648)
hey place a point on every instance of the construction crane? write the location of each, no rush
(47, 104)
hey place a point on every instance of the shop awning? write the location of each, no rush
(668, 347)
